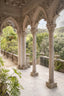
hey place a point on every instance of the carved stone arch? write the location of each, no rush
(10, 21)
(39, 10)
(57, 14)
(26, 22)
(54, 19)
(61, 7)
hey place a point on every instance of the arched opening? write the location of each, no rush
(9, 38)
(42, 42)
(40, 17)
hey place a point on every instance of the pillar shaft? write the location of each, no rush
(34, 52)
(51, 57)
(24, 48)
(34, 73)
(19, 50)
(51, 83)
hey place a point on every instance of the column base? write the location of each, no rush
(51, 85)
(23, 67)
(34, 74)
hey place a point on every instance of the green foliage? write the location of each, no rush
(9, 40)
(29, 41)
(59, 65)
(29, 44)
(9, 33)
(9, 83)
(62, 53)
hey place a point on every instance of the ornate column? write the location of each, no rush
(51, 83)
(34, 30)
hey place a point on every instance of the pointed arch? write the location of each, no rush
(26, 22)
(37, 12)
(11, 19)
(58, 14)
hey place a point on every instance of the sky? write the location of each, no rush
(59, 21)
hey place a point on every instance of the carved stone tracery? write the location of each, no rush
(17, 3)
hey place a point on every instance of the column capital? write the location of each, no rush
(51, 27)
(34, 30)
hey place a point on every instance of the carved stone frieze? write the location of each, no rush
(17, 3)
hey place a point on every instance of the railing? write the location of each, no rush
(14, 57)
(59, 63)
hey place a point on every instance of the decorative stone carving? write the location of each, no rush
(26, 22)
(51, 26)
(16, 3)
(6, 20)
(60, 6)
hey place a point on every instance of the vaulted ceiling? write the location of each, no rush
(21, 8)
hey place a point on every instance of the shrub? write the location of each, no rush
(59, 66)
(9, 83)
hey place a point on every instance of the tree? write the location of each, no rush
(9, 40)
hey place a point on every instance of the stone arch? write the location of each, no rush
(26, 22)
(59, 10)
(12, 21)
(37, 12)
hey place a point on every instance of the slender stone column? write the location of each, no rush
(19, 50)
(34, 73)
(24, 66)
(51, 83)
(22, 50)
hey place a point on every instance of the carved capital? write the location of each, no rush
(34, 30)
(51, 27)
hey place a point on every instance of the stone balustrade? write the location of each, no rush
(59, 63)
(14, 57)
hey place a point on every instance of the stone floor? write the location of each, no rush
(36, 86)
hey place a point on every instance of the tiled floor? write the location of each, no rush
(36, 86)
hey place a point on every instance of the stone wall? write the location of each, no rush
(44, 60)
(14, 57)
(58, 63)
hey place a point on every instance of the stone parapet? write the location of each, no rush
(44, 60)
(14, 57)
